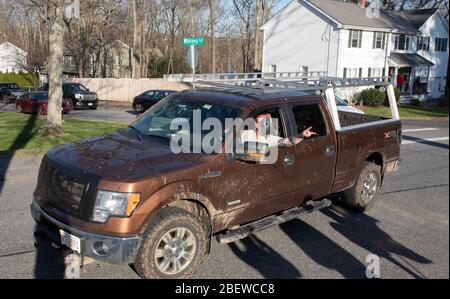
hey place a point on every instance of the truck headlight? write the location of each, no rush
(78, 96)
(109, 204)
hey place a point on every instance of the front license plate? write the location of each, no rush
(70, 241)
(90, 104)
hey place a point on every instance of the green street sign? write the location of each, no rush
(193, 41)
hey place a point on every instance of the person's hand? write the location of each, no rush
(308, 133)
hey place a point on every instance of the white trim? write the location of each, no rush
(263, 26)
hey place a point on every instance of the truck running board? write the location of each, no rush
(256, 226)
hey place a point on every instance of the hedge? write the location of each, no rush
(372, 97)
(22, 79)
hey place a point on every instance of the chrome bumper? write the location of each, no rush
(120, 250)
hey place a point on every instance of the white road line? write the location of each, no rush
(425, 140)
(421, 130)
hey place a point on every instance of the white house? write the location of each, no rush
(349, 40)
(12, 58)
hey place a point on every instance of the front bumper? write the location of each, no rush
(120, 250)
(86, 104)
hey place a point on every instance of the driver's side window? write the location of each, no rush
(264, 126)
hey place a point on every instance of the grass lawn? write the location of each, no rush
(408, 111)
(23, 133)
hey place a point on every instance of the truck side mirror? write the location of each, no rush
(252, 151)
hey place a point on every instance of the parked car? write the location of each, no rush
(148, 99)
(78, 96)
(9, 92)
(343, 106)
(37, 103)
(128, 198)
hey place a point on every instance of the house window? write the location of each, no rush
(423, 43)
(273, 68)
(352, 72)
(440, 44)
(401, 42)
(304, 70)
(379, 40)
(375, 72)
(355, 39)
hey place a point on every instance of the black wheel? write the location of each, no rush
(174, 245)
(365, 191)
(139, 108)
(71, 106)
(40, 111)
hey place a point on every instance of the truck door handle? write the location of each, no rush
(289, 160)
(330, 150)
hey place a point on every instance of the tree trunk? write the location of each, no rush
(138, 16)
(258, 18)
(55, 72)
(212, 20)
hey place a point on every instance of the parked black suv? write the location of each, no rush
(9, 92)
(79, 96)
(148, 99)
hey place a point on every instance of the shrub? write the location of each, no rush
(398, 93)
(21, 79)
(372, 97)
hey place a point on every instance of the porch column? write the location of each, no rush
(412, 77)
(394, 76)
(428, 80)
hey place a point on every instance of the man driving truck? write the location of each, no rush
(263, 133)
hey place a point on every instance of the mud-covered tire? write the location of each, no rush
(147, 263)
(364, 193)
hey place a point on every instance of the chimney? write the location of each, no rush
(362, 3)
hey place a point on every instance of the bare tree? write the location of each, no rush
(212, 23)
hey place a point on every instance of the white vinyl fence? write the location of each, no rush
(124, 90)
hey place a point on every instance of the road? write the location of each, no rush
(408, 228)
(116, 114)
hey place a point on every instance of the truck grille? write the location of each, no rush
(64, 191)
(89, 97)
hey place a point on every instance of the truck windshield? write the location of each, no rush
(179, 115)
(75, 87)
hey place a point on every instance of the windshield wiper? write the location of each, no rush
(139, 135)
(160, 136)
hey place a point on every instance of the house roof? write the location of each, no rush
(405, 59)
(350, 14)
(407, 21)
(14, 46)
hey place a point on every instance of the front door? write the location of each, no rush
(258, 190)
(316, 156)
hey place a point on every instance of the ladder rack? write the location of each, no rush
(265, 83)
(262, 85)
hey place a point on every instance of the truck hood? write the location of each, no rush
(119, 158)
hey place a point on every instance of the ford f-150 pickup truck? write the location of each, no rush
(129, 198)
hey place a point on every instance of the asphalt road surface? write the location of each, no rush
(408, 228)
(103, 113)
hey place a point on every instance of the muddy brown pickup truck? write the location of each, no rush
(128, 198)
